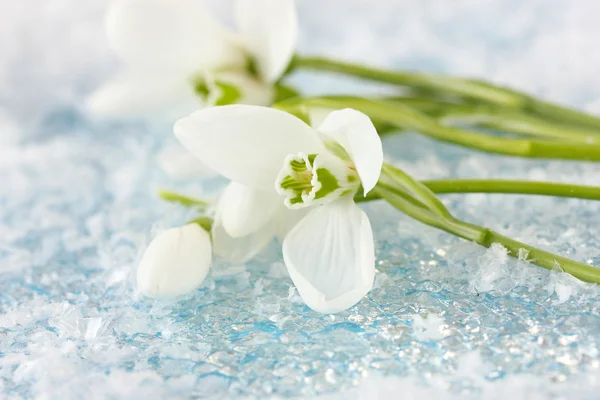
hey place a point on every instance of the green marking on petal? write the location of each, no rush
(298, 166)
(222, 93)
(230, 94)
(315, 179)
(297, 200)
(290, 182)
(252, 68)
(201, 88)
(329, 183)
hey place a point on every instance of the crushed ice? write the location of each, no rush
(446, 319)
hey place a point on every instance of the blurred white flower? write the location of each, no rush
(176, 262)
(266, 152)
(178, 56)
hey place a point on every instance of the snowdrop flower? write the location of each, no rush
(179, 57)
(268, 154)
(175, 262)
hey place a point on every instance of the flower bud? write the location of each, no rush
(176, 262)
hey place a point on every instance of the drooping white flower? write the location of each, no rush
(178, 57)
(268, 153)
(175, 262)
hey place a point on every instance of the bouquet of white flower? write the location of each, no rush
(298, 166)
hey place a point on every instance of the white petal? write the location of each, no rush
(316, 115)
(243, 248)
(286, 219)
(252, 90)
(356, 133)
(246, 144)
(244, 210)
(270, 32)
(170, 34)
(175, 262)
(330, 256)
(140, 95)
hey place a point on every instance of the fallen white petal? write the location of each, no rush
(246, 144)
(175, 262)
(270, 31)
(330, 256)
(356, 133)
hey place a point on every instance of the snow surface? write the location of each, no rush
(447, 319)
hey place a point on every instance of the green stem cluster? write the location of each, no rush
(408, 118)
(459, 88)
(496, 119)
(419, 202)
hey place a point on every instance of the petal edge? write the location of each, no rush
(357, 134)
(246, 144)
(270, 32)
(330, 256)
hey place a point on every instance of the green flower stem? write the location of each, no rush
(437, 83)
(503, 186)
(499, 119)
(521, 124)
(183, 200)
(424, 215)
(425, 194)
(407, 118)
(486, 237)
(400, 192)
(514, 187)
(447, 85)
(487, 117)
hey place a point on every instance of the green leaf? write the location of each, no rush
(185, 201)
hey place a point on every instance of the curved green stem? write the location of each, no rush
(499, 119)
(428, 82)
(486, 237)
(425, 194)
(400, 192)
(447, 85)
(407, 118)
